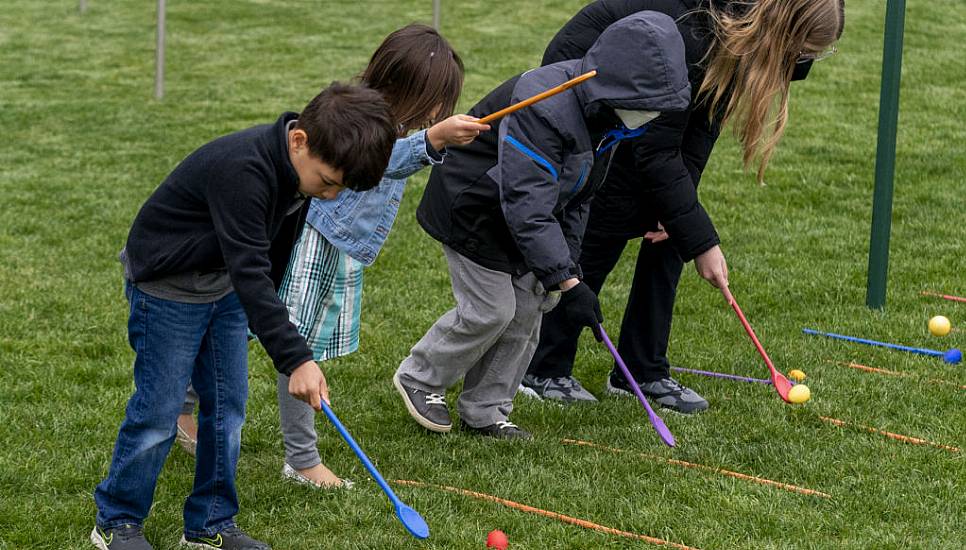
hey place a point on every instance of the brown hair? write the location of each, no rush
(350, 128)
(751, 60)
(417, 71)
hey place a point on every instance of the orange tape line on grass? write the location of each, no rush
(898, 437)
(875, 370)
(546, 513)
(722, 471)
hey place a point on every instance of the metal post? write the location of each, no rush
(885, 159)
(159, 54)
(436, 14)
(82, 7)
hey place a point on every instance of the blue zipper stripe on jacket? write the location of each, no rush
(580, 179)
(532, 154)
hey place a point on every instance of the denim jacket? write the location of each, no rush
(359, 222)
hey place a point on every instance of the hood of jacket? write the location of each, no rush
(640, 66)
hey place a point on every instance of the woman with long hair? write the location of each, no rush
(742, 57)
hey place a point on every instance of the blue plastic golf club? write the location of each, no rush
(952, 356)
(411, 520)
(662, 430)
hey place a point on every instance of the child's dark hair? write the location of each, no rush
(350, 128)
(417, 71)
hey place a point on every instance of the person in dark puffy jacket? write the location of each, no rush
(741, 56)
(510, 211)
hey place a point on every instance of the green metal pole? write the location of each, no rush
(885, 158)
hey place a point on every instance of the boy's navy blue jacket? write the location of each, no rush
(516, 200)
(660, 174)
(226, 206)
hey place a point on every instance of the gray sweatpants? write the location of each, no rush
(297, 420)
(488, 340)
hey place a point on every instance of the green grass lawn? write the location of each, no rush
(84, 144)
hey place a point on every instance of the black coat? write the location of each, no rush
(226, 207)
(516, 200)
(657, 178)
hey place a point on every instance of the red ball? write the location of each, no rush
(497, 539)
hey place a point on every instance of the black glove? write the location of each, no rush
(581, 307)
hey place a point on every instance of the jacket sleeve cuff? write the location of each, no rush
(290, 364)
(427, 154)
(551, 281)
(692, 234)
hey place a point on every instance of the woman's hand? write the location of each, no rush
(712, 267)
(455, 130)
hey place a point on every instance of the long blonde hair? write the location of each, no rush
(750, 65)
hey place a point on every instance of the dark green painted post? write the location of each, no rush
(885, 159)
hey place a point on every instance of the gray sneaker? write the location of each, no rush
(231, 538)
(563, 388)
(428, 409)
(666, 392)
(124, 537)
(501, 430)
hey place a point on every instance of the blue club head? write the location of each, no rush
(412, 521)
(953, 356)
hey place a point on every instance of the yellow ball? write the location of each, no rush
(939, 326)
(796, 375)
(799, 394)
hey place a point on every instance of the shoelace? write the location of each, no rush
(566, 381)
(503, 424)
(674, 385)
(435, 399)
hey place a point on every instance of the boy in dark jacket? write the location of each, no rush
(510, 211)
(202, 263)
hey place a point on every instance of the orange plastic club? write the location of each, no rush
(539, 97)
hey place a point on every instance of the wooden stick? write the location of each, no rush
(546, 513)
(943, 296)
(539, 97)
(712, 469)
(875, 370)
(897, 437)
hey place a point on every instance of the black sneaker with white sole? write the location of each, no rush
(427, 408)
(124, 537)
(666, 392)
(231, 538)
(563, 388)
(500, 430)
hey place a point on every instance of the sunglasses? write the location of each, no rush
(817, 56)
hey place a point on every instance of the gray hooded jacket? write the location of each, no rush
(516, 200)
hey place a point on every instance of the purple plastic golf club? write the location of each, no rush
(656, 421)
(722, 375)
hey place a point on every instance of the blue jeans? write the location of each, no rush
(175, 343)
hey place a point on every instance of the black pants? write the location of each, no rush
(619, 213)
(647, 317)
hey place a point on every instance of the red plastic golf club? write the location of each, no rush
(656, 421)
(782, 385)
